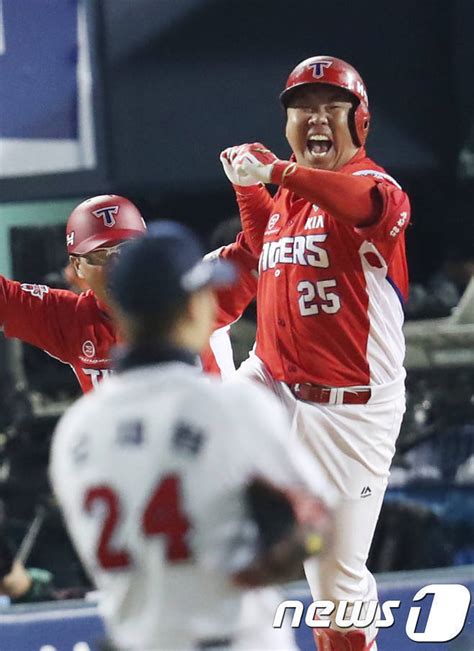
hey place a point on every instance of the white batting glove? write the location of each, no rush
(236, 177)
(256, 161)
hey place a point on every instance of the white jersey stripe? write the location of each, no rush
(221, 348)
(385, 343)
(378, 174)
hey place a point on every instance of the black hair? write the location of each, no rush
(156, 326)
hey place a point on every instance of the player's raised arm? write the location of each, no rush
(353, 200)
(367, 200)
(254, 200)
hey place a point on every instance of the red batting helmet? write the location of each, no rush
(336, 72)
(101, 221)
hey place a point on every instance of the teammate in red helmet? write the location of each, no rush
(95, 231)
(76, 329)
(331, 286)
(102, 222)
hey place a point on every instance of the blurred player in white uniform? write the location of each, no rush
(163, 476)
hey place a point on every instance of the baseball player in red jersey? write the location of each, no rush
(76, 329)
(332, 281)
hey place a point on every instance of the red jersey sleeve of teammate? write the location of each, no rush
(37, 315)
(394, 219)
(209, 362)
(233, 300)
(255, 208)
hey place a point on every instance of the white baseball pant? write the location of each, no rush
(353, 446)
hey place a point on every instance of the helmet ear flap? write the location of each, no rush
(360, 124)
(352, 125)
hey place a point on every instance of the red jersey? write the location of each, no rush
(232, 301)
(330, 295)
(75, 329)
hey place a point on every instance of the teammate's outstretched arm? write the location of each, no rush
(37, 314)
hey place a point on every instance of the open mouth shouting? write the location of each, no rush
(319, 146)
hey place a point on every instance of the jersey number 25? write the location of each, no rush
(162, 516)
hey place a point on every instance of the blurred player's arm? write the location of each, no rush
(16, 583)
(19, 583)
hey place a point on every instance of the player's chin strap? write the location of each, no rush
(329, 640)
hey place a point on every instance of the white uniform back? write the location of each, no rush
(150, 471)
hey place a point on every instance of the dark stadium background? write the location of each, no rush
(177, 81)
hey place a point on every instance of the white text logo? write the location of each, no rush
(446, 619)
(301, 249)
(106, 214)
(35, 290)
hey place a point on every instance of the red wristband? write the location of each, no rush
(281, 169)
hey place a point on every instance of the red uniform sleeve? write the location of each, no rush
(233, 300)
(38, 315)
(209, 362)
(255, 207)
(392, 222)
(353, 200)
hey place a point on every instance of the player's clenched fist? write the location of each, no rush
(228, 158)
(258, 161)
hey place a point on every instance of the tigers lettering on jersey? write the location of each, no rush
(96, 374)
(300, 250)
